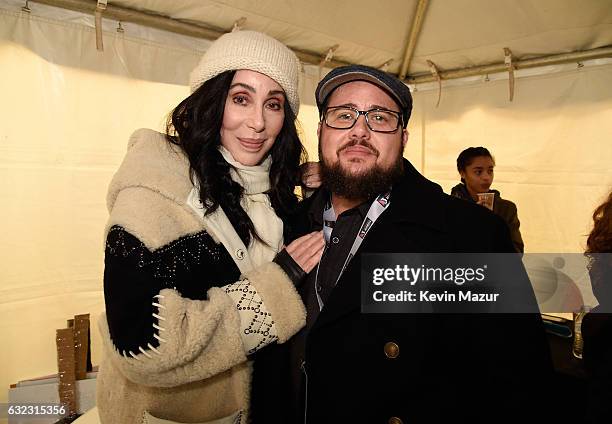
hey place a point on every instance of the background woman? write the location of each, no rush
(475, 166)
(597, 325)
(193, 283)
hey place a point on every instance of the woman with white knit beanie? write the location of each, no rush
(196, 278)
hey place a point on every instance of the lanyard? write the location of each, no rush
(378, 206)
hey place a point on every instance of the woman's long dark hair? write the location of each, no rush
(195, 125)
(599, 252)
(600, 239)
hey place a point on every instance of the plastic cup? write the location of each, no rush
(486, 200)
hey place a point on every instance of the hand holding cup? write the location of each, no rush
(486, 200)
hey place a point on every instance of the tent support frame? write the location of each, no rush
(168, 24)
(415, 30)
(556, 59)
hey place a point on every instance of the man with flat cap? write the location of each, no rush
(354, 367)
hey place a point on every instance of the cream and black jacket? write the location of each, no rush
(186, 302)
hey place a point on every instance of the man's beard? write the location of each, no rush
(363, 185)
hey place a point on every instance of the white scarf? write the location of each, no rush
(256, 181)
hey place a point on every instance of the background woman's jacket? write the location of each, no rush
(502, 207)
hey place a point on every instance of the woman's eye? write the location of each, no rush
(240, 100)
(275, 105)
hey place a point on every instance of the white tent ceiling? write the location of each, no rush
(453, 35)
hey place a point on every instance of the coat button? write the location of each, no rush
(392, 352)
(395, 420)
(240, 254)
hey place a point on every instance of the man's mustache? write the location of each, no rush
(356, 142)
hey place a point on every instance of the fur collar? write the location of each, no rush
(153, 163)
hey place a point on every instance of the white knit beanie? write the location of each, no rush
(254, 51)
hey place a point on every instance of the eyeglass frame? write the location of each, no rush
(365, 115)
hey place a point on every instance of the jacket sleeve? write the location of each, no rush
(160, 331)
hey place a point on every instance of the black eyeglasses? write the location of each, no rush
(378, 120)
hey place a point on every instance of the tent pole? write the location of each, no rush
(556, 59)
(417, 22)
(137, 17)
(124, 14)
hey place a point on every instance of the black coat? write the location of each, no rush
(450, 368)
(597, 336)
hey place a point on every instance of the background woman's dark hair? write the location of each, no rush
(195, 126)
(600, 239)
(599, 252)
(466, 157)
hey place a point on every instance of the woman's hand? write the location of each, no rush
(311, 175)
(306, 250)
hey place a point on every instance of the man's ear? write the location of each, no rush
(404, 137)
(319, 130)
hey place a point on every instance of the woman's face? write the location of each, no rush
(478, 175)
(253, 116)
